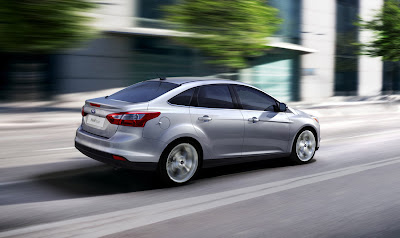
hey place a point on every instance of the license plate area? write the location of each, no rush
(95, 121)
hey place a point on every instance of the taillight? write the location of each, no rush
(94, 105)
(83, 111)
(133, 119)
(117, 157)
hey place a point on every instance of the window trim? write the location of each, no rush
(190, 101)
(194, 102)
(234, 95)
(195, 99)
(241, 105)
(177, 85)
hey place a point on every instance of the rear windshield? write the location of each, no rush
(143, 92)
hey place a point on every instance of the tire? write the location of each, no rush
(179, 163)
(304, 147)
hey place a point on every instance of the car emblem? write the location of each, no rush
(93, 111)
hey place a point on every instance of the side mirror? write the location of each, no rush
(282, 107)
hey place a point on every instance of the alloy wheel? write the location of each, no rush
(305, 146)
(182, 162)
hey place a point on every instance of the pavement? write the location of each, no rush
(72, 102)
(63, 109)
(48, 189)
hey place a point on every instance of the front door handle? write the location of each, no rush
(205, 118)
(254, 119)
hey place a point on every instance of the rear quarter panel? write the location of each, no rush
(173, 123)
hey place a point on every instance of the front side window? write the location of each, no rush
(215, 96)
(252, 99)
(143, 92)
(183, 98)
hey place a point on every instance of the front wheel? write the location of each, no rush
(178, 164)
(303, 148)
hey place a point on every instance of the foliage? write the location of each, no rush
(346, 51)
(43, 26)
(386, 28)
(230, 31)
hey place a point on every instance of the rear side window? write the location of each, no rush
(252, 99)
(183, 98)
(143, 92)
(214, 96)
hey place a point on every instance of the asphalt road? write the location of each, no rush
(351, 189)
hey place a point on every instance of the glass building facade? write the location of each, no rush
(136, 45)
(346, 58)
(158, 56)
(391, 78)
(277, 72)
(150, 13)
(290, 12)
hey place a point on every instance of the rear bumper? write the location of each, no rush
(107, 158)
(129, 145)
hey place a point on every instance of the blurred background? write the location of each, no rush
(116, 43)
(335, 59)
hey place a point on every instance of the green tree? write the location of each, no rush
(386, 28)
(32, 30)
(43, 26)
(229, 31)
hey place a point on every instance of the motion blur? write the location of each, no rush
(335, 59)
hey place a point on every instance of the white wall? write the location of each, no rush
(370, 69)
(115, 14)
(319, 32)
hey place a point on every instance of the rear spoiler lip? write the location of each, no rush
(105, 103)
(113, 104)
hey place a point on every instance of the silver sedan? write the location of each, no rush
(176, 126)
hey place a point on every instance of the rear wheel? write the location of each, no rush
(179, 163)
(303, 148)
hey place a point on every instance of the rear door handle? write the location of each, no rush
(254, 119)
(205, 118)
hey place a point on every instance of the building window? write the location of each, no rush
(150, 13)
(391, 77)
(290, 12)
(346, 58)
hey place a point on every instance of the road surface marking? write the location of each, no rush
(323, 141)
(350, 123)
(362, 135)
(56, 149)
(119, 221)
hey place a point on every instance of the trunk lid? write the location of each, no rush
(95, 122)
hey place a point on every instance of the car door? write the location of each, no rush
(266, 129)
(217, 121)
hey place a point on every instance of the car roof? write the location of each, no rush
(183, 80)
(199, 81)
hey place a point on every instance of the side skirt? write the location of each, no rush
(238, 160)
